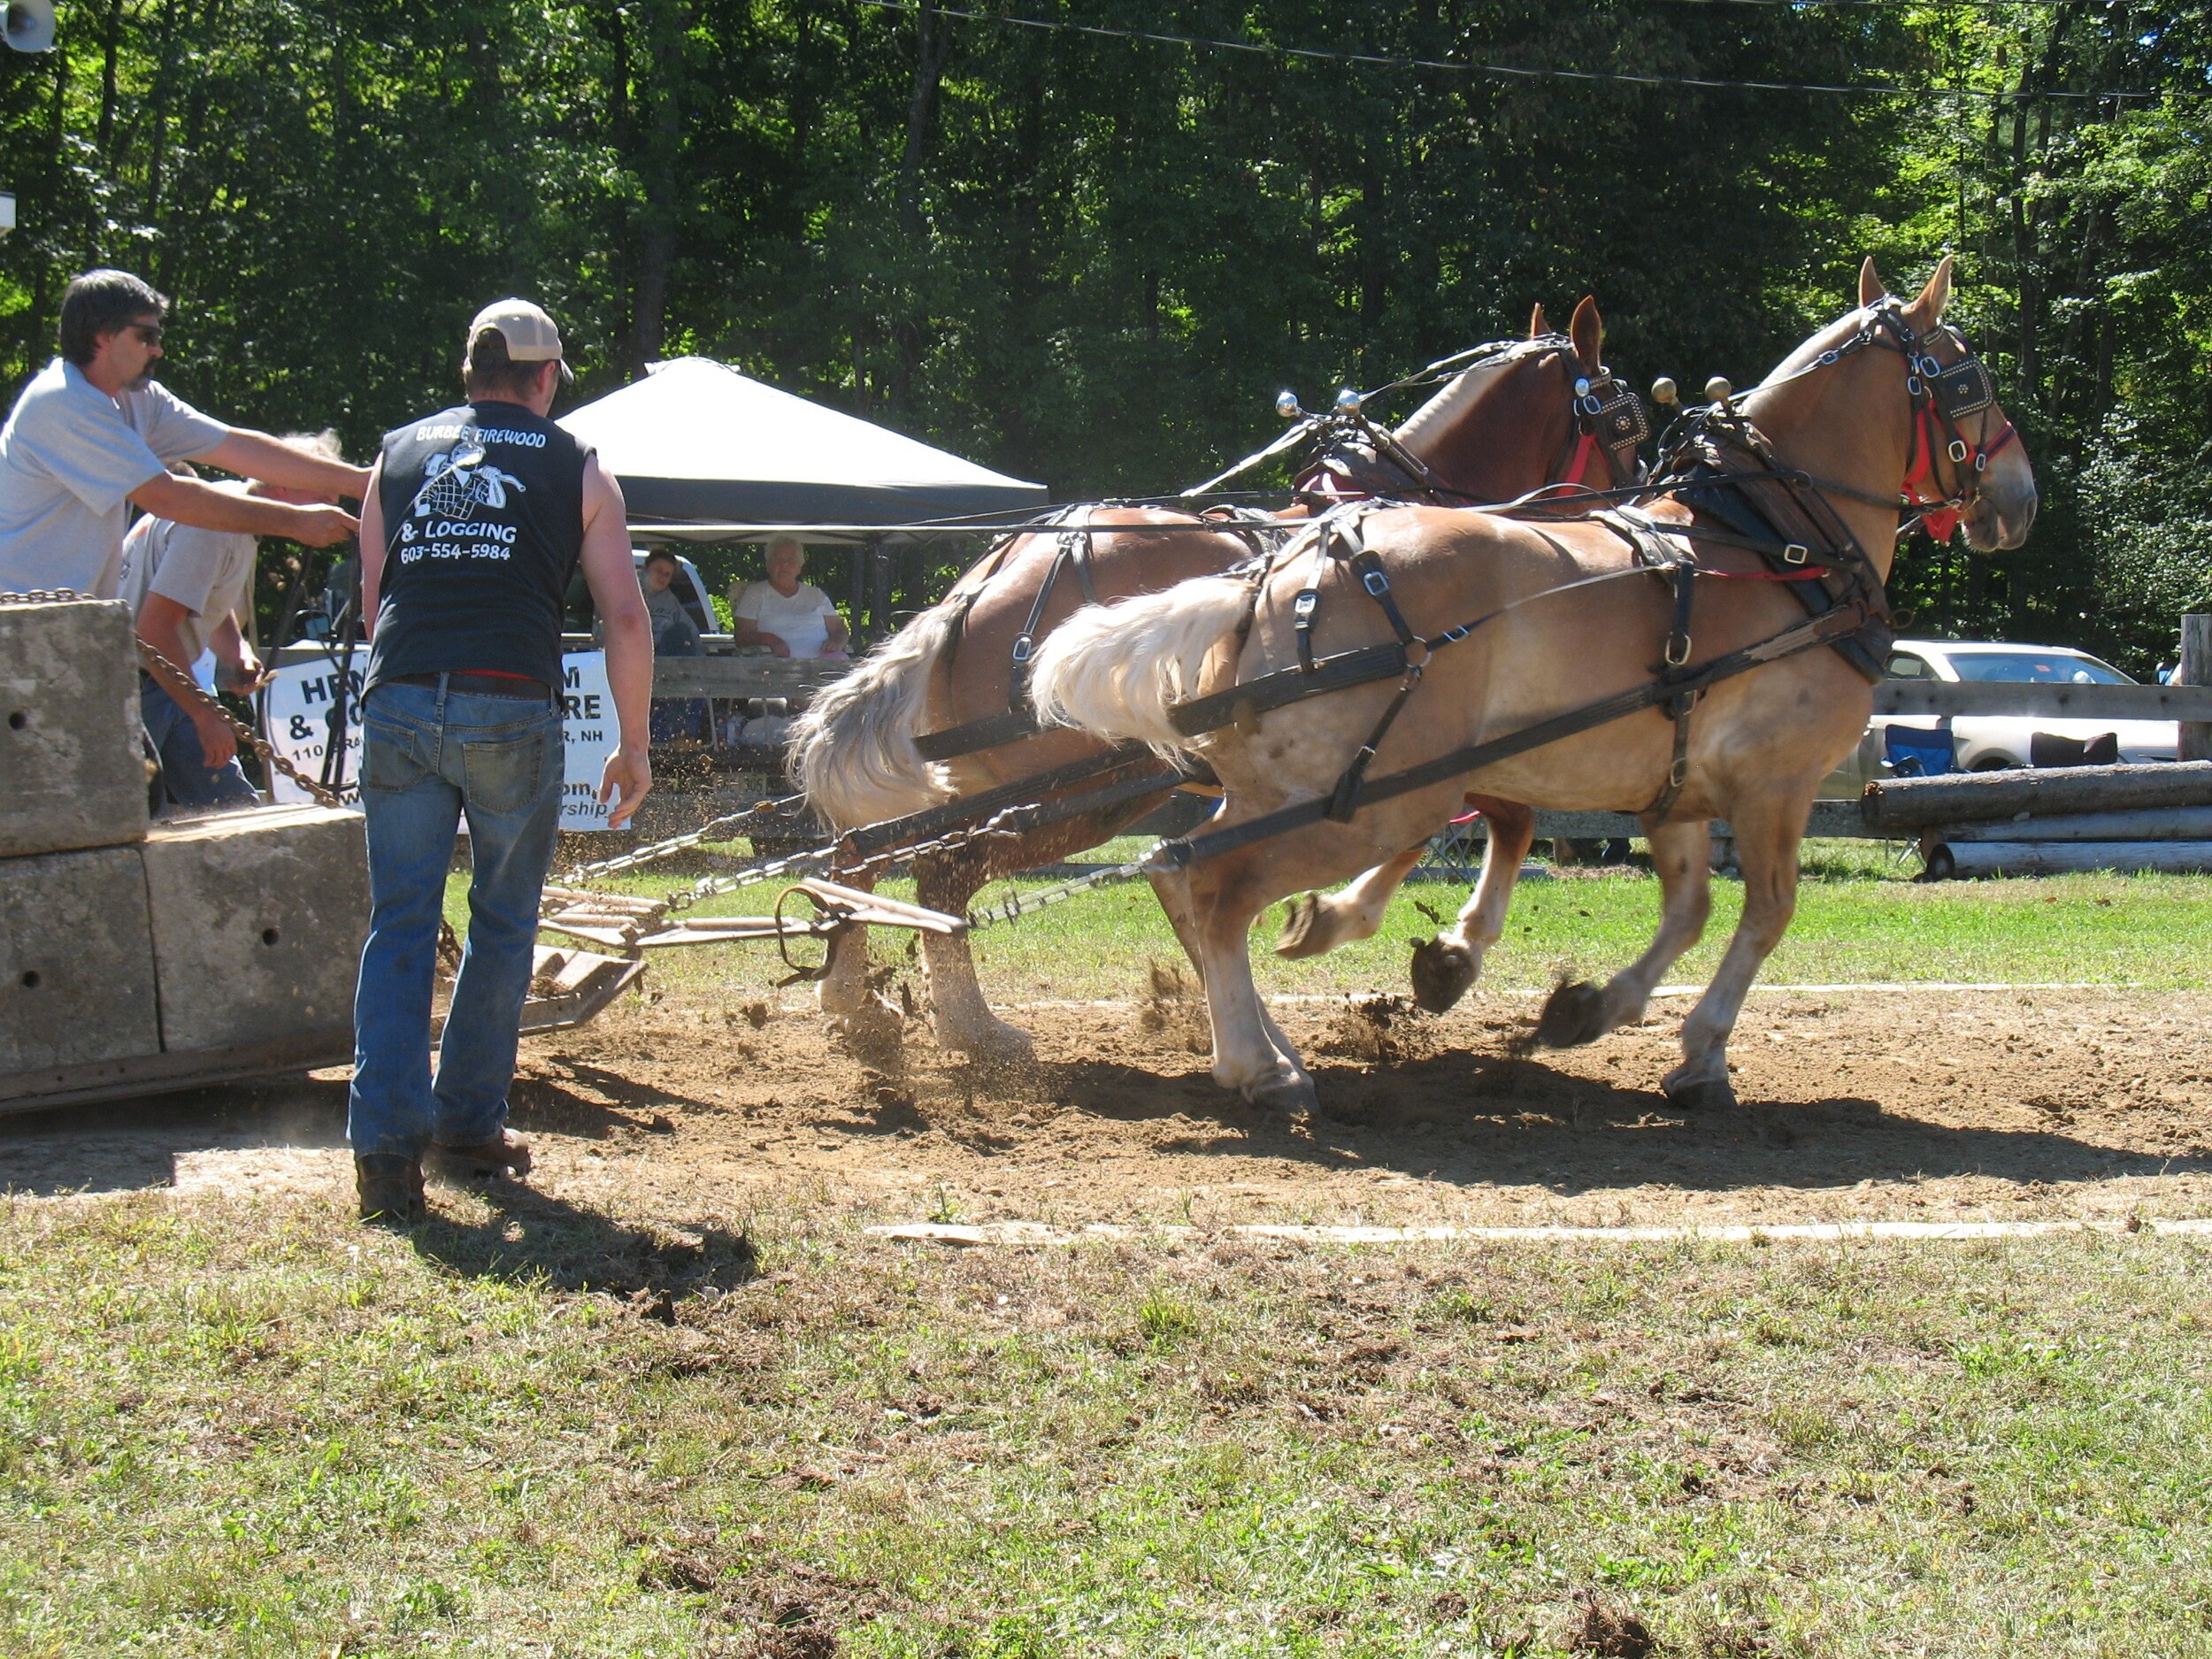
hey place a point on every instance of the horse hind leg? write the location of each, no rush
(1445, 967)
(1767, 836)
(1251, 1053)
(1580, 1012)
(1315, 923)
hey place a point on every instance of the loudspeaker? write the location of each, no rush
(29, 25)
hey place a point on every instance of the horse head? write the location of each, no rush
(1965, 457)
(1890, 409)
(1541, 411)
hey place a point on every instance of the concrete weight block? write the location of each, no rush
(258, 919)
(76, 961)
(69, 732)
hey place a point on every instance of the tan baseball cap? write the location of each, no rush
(529, 333)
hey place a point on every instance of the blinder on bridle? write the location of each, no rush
(1611, 412)
(1962, 389)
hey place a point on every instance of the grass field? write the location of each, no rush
(1859, 919)
(721, 1419)
(255, 1429)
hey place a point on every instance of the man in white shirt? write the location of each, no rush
(94, 433)
(791, 618)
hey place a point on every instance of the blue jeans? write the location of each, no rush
(429, 757)
(185, 774)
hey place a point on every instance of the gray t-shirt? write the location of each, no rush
(69, 456)
(210, 573)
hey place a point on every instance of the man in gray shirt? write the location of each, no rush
(94, 433)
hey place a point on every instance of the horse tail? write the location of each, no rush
(1115, 670)
(853, 749)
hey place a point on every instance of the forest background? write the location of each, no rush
(1092, 260)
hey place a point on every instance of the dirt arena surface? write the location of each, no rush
(1862, 1105)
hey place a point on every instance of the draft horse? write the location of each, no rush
(939, 712)
(1714, 659)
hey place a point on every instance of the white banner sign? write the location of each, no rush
(299, 728)
(296, 718)
(592, 736)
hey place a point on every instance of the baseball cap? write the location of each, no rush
(530, 335)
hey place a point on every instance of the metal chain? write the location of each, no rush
(1018, 905)
(715, 829)
(153, 658)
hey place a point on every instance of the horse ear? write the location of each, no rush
(1588, 332)
(1926, 312)
(1870, 287)
(1539, 324)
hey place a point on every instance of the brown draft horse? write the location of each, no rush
(1496, 431)
(1854, 422)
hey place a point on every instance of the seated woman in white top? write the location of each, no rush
(790, 617)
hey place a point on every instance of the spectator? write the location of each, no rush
(791, 618)
(189, 587)
(674, 632)
(94, 432)
(674, 635)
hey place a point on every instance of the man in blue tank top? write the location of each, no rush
(475, 520)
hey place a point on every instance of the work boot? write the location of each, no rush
(391, 1189)
(505, 1153)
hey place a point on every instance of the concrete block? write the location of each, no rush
(257, 923)
(76, 960)
(69, 731)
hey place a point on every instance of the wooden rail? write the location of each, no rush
(2071, 702)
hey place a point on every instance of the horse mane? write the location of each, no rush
(1444, 410)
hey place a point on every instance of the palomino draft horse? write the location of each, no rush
(940, 711)
(1716, 660)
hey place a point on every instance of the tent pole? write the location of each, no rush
(880, 598)
(859, 599)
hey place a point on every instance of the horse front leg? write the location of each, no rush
(842, 990)
(1768, 833)
(1681, 853)
(1315, 923)
(1446, 966)
(959, 1015)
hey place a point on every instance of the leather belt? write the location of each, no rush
(481, 685)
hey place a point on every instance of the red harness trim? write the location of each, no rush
(1921, 488)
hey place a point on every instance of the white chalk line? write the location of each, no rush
(1032, 1234)
(1885, 986)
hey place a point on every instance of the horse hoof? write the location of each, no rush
(1301, 916)
(1441, 973)
(1701, 1094)
(1573, 1015)
(1286, 1097)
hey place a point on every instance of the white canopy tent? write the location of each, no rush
(704, 452)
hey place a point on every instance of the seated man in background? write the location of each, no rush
(674, 632)
(674, 635)
(791, 618)
(188, 587)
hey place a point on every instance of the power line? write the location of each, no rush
(1508, 70)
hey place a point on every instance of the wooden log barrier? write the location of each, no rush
(1978, 797)
(2151, 823)
(1949, 859)
(2196, 669)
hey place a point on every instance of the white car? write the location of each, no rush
(1986, 742)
